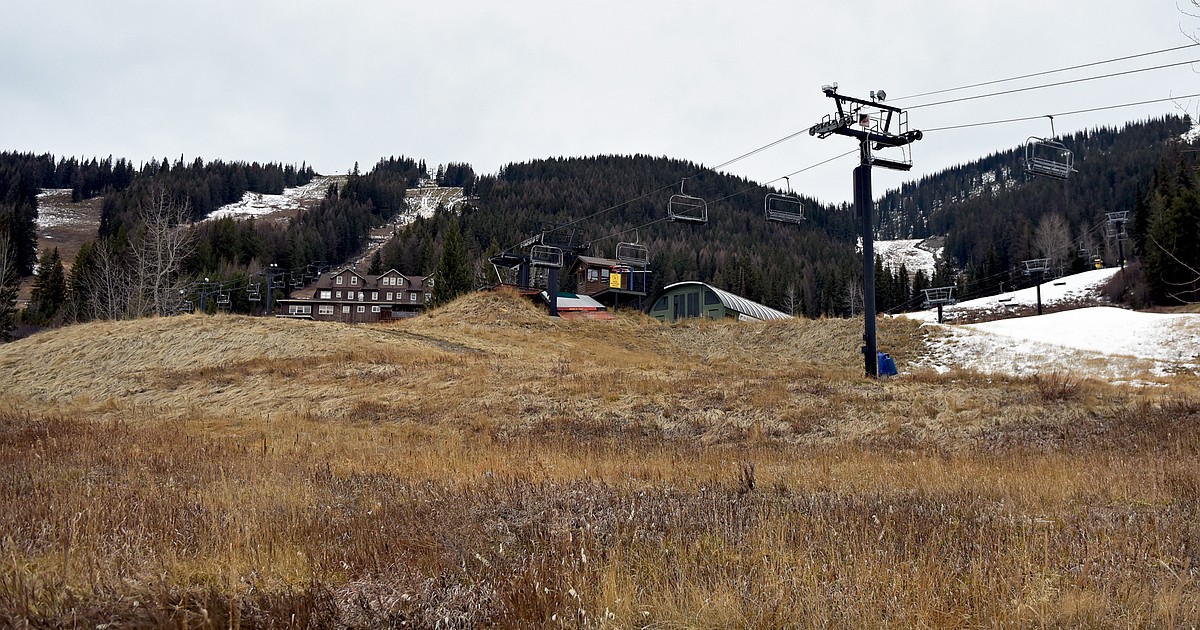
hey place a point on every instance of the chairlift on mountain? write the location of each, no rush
(252, 293)
(783, 208)
(1048, 157)
(686, 208)
(633, 253)
(545, 256)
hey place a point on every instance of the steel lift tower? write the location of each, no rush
(876, 126)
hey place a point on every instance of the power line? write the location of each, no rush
(1047, 85)
(1046, 72)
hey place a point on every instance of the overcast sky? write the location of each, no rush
(490, 83)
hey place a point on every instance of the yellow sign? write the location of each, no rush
(614, 281)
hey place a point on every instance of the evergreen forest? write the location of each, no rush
(992, 215)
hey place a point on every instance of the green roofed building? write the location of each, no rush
(697, 299)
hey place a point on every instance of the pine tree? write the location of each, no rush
(49, 290)
(453, 275)
(376, 267)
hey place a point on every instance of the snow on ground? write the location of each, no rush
(907, 252)
(1102, 342)
(50, 213)
(1075, 288)
(424, 202)
(1113, 344)
(258, 204)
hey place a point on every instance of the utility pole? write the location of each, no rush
(871, 123)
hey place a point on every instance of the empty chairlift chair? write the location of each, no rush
(686, 208)
(546, 256)
(633, 254)
(1048, 157)
(783, 208)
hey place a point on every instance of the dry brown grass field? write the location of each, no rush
(485, 466)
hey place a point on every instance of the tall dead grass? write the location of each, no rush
(455, 471)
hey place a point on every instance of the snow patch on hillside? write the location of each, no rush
(1080, 287)
(423, 202)
(258, 204)
(50, 212)
(1102, 342)
(908, 252)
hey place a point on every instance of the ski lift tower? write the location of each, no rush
(1038, 267)
(876, 126)
(1116, 229)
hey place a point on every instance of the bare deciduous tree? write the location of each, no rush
(791, 299)
(163, 242)
(1053, 238)
(10, 280)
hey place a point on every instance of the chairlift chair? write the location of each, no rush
(686, 208)
(223, 300)
(1037, 265)
(546, 256)
(253, 294)
(939, 296)
(783, 208)
(633, 254)
(1048, 157)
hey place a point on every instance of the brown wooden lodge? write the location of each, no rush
(348, 296)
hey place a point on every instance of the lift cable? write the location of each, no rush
(743, 191)
(1046, 72)
(1078, 111)
(1047, 85)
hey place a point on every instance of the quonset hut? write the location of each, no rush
(697, 299)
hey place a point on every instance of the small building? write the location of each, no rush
(609, 281)
(697, 299)
(345, 295)
(575, 306)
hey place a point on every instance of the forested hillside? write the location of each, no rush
(995, 216)
(621, 198)
(992, 214)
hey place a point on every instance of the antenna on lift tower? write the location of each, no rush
(876, 126)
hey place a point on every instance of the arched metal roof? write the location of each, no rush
(736, 303)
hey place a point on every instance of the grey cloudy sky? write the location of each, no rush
(491, 83)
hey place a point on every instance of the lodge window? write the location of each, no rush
(325, 309)
(325, 295)
(353, 279)
(374, 309)
(345, 309)
(593, 275)
(412, 297)
(374, 296)
(338, 294)
(389, 295)
(604, 273)
(710, 298)
(299, 309)
(339, 279)
(362, 309)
